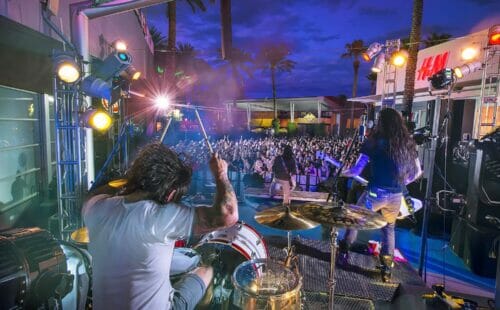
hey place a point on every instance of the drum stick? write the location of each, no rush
(164, 133)
(203, 131)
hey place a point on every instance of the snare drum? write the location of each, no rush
(266, 284)
(225, 249)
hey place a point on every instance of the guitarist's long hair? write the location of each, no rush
(401, 146)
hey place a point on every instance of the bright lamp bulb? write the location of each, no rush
(494, 35)
(100, 120)
(136, 75)
(68, 73)
(162, 102)
(120, 46)
(469, 53)
(399, 58)
(467, 69)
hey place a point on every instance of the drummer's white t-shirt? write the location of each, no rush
(131, 246)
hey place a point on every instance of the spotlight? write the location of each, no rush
(131, 73)
(467, 69)
(120, 46)
(399, 58)
(113, 65)
(97, 119)
(96, 87)
(66, 67)
(162, 102)
(379, 63)
(442, 78)
(469, 53)
(373, 50)
(494, 35)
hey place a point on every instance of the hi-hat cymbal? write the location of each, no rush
(347, 216)
(81, 235)
(285, 219)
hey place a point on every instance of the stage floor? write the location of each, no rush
(361, 274)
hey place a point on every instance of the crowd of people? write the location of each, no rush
(256, 155)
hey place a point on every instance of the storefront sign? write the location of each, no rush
(145, 29)
(431, 65)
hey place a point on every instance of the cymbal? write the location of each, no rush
(80, 235)
(118, 183)
(347, 216)
(281, 218)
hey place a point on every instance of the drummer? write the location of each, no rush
(132, 235)
(394, 163)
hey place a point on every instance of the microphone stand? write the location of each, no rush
(334, 233)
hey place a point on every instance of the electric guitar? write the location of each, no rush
(409, 205)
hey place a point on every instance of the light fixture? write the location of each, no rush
(467, 69)
(469, 53)
(399, 58)
(66, 67)
(494, 35)
(97, 119)
(113, 65)
(162, 102)
(373, 50)
(378, 63)
(442, 78)
(96, 87)
(131, 73)
(120, 46)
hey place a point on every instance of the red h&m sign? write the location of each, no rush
(431, 65)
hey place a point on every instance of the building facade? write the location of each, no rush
(29, 31)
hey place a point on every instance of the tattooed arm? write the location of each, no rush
(224, 211)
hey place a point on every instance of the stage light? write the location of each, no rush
(96, 87)
(66, 67)
(131, 73)
(399, 58)
(113, 65)
(373, 50)
(469, 53)
(162, 102)
(97, 119)
(379, 63)
(467, 69)
(494, 35)
(442, 78)
(120, 46)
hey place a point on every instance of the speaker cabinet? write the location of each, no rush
(473, 244)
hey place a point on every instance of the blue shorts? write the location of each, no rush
(188, 292)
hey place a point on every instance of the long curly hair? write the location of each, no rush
(158, 170)
(401, 147)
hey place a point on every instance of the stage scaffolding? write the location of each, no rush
(70, 156)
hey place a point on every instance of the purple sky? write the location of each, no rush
(317, 31)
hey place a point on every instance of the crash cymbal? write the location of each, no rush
(283, 218)
(118, 183)
(347, 216)
(80, 235)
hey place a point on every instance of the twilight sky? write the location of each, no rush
(317, 31)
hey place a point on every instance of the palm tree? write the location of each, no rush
(273, 57)
(372, 77)
(157, 37)
(239, 66)
(354, 50)
(435, 39)
(171, 14)
(411, 65)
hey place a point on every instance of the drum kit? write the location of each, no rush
(245, 276)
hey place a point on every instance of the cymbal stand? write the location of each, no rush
(333, 253)
(291, 257)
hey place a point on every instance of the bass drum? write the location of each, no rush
(224, 250)
(79, 264)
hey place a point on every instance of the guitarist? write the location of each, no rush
(394, 163)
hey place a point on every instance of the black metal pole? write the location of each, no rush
(428, 192)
